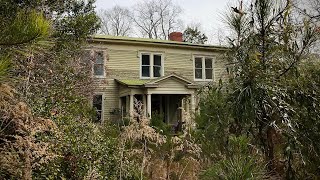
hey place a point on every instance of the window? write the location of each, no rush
(98, 66)
(151, 65)
(203, 68)
(97, 105)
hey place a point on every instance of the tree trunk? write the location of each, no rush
(27, 169)
(270, 149)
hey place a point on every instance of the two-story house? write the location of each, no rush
(164, 75)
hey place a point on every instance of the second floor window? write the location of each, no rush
(151, 65)
(203, 68)
(98, 66)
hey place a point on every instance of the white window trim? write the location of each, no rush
(104, 65)
(151, 54)
(203, 68)
(102, 104)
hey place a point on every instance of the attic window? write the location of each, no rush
(98, 66)
(151, 65)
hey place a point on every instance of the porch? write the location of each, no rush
(165, 97)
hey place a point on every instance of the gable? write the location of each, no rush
(172, 82)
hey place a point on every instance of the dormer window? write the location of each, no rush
(151, 65)
(98, 64)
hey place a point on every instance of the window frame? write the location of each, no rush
(203, 68)
(151, 64)
(103, 64)
(102, 104)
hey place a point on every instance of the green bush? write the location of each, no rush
(235, 168)
(158, 124)
(238, 165)
(83, 148)
(213, 122)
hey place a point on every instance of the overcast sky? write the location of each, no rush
(206, 12)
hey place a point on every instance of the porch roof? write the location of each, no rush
(132, 82)
(154, 82)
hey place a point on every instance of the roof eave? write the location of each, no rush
(192, 86)
(169, 44)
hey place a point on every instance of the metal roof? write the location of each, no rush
(102, 38)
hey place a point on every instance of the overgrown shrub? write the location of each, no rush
(239, 164)
(21, 150)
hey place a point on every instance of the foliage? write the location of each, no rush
(27, 26)
(157, 151)
(213, 122)
(41, 44)
(193, 35)
(303, 96)
(21, 150)
(83, 148)
(157, 123)
(267, 98)
(239, 164)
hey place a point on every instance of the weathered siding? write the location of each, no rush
(123, 62)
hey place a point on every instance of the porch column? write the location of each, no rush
(144, 106)
(120, 106)
(161, 110)
(149, 105)
(192, 102)
(187, 105)
(167, 107)
(131, 105)
(127, 105)
(120, 103)
(182, 108)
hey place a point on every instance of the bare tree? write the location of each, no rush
(116, 21)
(156, 19)
(311, 8)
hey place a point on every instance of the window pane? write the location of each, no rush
(97, 102)
(99, 58)
(145, 59)
(198, 62)
(157, 60)
(156, 71)
(208, 63)
(208, 73)
(98, 70)
(198, 73)
(145, 71)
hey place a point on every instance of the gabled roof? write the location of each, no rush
(158, 42)
(155, 82)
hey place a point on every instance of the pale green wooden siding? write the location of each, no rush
(180, 63)
(123, 62)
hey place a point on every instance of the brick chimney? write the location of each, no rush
(176, 36)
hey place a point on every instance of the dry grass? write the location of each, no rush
(160, 156)
(21, 151)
